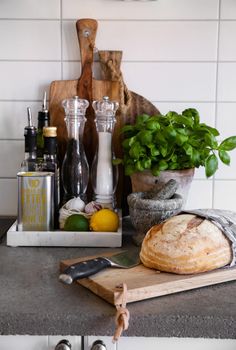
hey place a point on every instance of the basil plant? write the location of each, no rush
(173, 142)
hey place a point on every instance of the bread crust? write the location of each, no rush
(185, 244)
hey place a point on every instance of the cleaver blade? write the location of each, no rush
(125, 259)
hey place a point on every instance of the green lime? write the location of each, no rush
(76, 222)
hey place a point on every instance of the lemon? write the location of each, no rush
(76, 222)
(104, 220)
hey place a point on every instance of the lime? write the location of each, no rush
(104, 220)
(76, 222)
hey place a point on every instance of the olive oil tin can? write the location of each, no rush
(35, 201)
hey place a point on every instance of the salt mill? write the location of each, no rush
(75, 169)
(104, 174)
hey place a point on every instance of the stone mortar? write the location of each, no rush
(146, 212)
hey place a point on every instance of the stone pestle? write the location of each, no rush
(165, 192)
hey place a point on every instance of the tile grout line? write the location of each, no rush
(123, 19)
(180, 61)
(153, 101)
(216, 92)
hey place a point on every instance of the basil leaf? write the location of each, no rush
(163, 150)
(211, 165)
(211, 141)
(146, 163)
(142, 118)
(152, 124)
(126, 144)
(184, 120)
(117, 161)
(180, 139)
(224, 157)
(154, 150)
(170, 131)
(173, 166)
(163, 165)
(136, 150)
(129, 169)
(209, 129)
(188, 149)
(192, 113)
(139, 166)
(145, 137)
(155, 170)
(127, 128)
(228, 144)
(195, 158)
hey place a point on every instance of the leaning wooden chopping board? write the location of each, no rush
(144, 283)
(92, 88)
(82, 87)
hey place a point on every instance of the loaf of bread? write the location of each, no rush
(185, 244)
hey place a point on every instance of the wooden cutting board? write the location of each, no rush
(144, 283)
(93, 88)
(82, 87)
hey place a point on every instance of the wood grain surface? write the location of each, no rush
(144, 283)
(82, 87)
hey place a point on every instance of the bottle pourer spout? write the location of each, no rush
(29, 116)
(44, 101)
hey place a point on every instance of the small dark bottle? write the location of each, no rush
(30, 134)
(43, 121)
(50, 163)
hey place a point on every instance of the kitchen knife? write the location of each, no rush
(82, 269)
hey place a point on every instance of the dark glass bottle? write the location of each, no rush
(30, 134)
(43, 121)
(50, 163)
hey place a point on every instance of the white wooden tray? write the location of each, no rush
(64, 238)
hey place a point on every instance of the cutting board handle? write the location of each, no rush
(86, 31)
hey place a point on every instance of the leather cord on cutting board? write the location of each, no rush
(122, 314)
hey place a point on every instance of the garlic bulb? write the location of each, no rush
(91, 207)
(76, 204)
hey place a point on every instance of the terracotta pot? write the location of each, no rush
(144, 181)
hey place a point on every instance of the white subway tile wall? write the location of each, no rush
(178, 54)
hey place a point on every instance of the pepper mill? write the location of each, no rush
(75, 169)
(104, 173)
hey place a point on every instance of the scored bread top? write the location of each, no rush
(185, 244)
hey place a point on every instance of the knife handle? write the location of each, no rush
(83, 269)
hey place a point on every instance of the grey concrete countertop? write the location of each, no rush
(33, 302)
